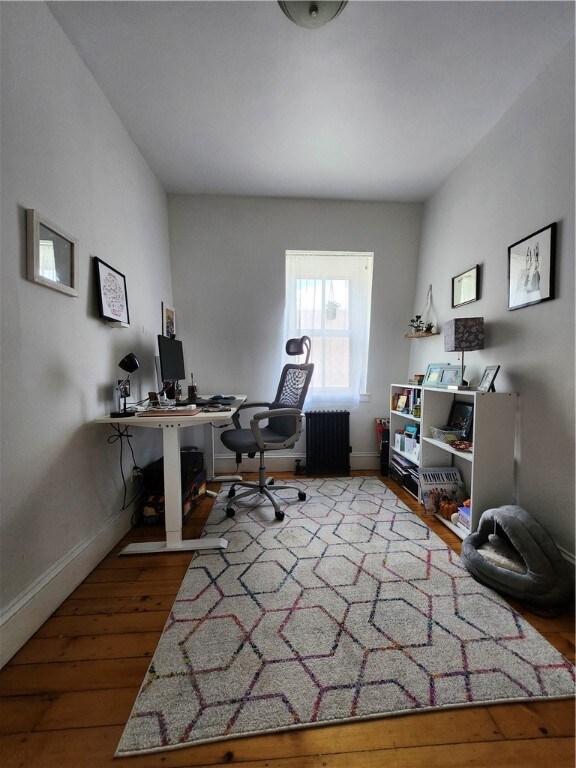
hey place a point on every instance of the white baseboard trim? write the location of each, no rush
(32, 607)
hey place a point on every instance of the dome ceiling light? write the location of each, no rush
(311, 15)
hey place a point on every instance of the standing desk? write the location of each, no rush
(172, 427)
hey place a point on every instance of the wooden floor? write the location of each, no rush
(67, 694)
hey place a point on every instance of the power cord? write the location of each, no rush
(122, 431)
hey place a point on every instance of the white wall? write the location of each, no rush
(65, 153)
(519, 179)
(228, 278)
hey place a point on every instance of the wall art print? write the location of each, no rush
(112, 295)
(531, 263)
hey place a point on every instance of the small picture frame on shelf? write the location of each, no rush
(461, 418)
(488, 377)
(442, 375)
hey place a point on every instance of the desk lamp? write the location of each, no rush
(128, 364)
(463, 334)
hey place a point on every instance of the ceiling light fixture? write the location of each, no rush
(311, 15)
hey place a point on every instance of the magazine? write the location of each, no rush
(439, 484)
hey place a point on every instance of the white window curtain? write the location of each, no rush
(328, 297)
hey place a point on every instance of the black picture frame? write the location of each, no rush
(531, 269)
(111, 292)
(466, 287)
(487, 381)
(461, 418)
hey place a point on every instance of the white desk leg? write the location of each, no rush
(173, 505)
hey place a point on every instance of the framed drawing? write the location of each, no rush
(168, 321)
(531, 265)
(466, 287)
(442, 374)
(51, 254)
(112, 295)
(461, 417)
(487, 380)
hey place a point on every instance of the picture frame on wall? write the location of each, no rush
(111, 292)
(51, 254)
(466, 287)
(168, 321)
(531, 268)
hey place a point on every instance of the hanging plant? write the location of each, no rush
(331, 309)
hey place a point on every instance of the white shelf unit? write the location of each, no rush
(399, 420)
(488, 469)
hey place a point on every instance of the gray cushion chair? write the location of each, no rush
(512, 553)
(284, 426)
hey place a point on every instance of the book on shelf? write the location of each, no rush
(438, 484)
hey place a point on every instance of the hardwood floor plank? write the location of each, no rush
(127, 589)
(531, 721)
(103, 624)
(59, 677)
(87, 647)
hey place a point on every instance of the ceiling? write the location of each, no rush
(380, 104)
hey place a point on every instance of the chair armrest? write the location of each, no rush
(270, 415)
(236, 416)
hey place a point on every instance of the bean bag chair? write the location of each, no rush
(512, 553)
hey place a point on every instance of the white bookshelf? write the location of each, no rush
(399, 420)
(488, 469)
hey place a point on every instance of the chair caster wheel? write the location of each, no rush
(230, 512)
(301, 496)
(231, 493)
(279, 515)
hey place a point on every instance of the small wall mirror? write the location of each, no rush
(52, 254)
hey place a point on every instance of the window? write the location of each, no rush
(328, 297)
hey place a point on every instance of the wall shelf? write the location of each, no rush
(421, 335)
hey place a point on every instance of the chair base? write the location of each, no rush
(261, 487)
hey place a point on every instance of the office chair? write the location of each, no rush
(284, 416)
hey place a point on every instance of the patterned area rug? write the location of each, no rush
(349, 608)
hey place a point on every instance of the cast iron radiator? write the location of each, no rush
(327, 443)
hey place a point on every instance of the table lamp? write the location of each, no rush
(129, 364)
(463, 334)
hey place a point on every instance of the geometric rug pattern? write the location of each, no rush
(349, 608)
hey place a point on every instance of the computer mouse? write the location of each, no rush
(217, 397)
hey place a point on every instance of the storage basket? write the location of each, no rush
(445, 435)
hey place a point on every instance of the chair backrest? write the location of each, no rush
(292, 390)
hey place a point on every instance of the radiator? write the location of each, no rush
(327, 443)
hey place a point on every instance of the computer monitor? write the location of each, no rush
(171, 359)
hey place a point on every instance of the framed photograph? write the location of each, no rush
(461, 418)
(466, 287)
(531, 265)
(168, 321)
(442, 374)
(51, 254)
(487, 380)
(112, 295)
